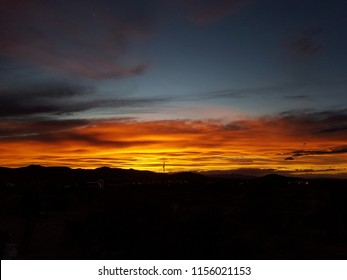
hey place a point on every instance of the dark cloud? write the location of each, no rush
(328, 115)
(37, 100)
(82, 38)
(296, 96)
(246, 92)
(337, 150)
(294, 90)
(57, 100)
(89, 139)
(12, 129)
(202, 12)
(235, 126)
(306, 44)
(45, 130)
(317, 123)
(287, 91)
(47, 113)
(332, 130)
(71, 136)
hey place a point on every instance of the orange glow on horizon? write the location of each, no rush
(184, 145)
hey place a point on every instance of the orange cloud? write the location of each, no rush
(184, 145)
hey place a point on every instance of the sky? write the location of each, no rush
(248, 86)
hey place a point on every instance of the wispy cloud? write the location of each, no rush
(203, 12)
(54, 99)
(286, 142)
(80, 38)
(332, 130)
(285, 91)
(296, 96)
(337, 150)
(305, 44)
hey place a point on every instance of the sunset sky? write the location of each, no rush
(253, 86)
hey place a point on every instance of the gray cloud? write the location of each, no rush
(318, 122)
(235, 126)
(89, 139)
(330, 116)
(337, 150)
(56, 100)
(88, 39)
(305, 43)
(203, 12)
(296, 96)
(245, 92)
(286, 91)
(332, 130)
(12, 129)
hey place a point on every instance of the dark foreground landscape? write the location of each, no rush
(61, 213)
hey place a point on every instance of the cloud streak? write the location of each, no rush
(56, 100)
(285, 143)
(290, 91)
(338, 150)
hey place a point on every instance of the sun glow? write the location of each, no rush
(185, 145)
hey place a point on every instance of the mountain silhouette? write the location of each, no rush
(112, 213)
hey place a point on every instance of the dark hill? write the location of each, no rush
(59, 213)
(279, 178)
(188, 176)
(68, 176)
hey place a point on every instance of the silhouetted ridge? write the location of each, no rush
(274, 177)
(236, 176)
(189, 176)
(277, 177)
(60, 176)
(112, 213)
(32, 167)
